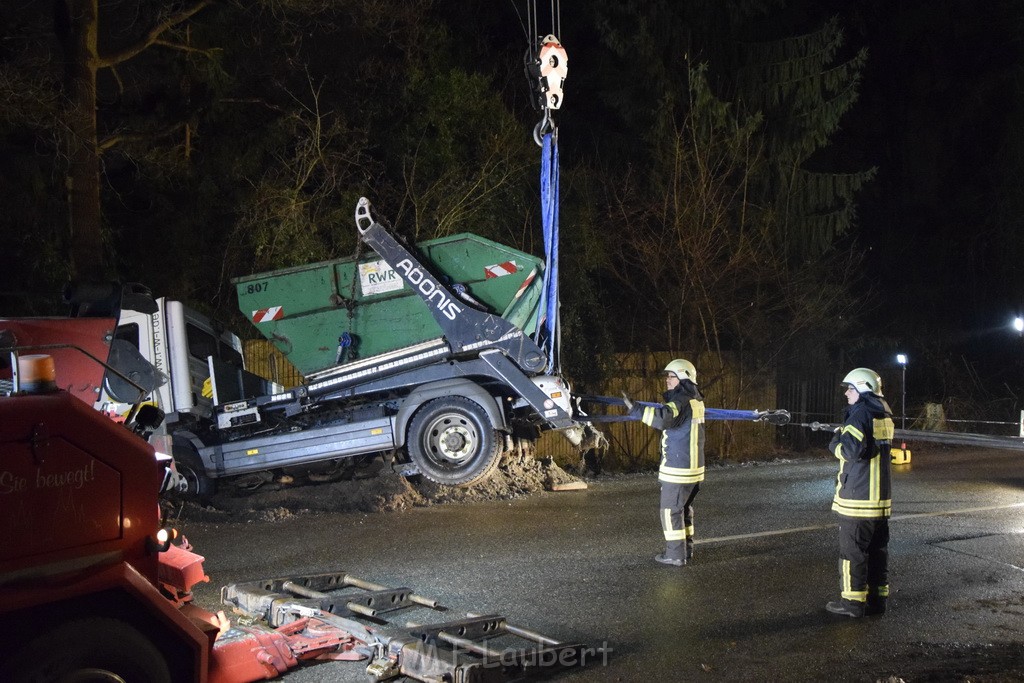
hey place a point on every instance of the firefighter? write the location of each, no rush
(681, 419)
(863, 498)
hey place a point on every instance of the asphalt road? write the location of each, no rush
(579, 566)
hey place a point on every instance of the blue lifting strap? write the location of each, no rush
(770, 416)
(549, 330)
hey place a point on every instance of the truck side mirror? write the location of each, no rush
(126, 359)
(147, 419)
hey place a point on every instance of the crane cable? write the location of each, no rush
(546, 66)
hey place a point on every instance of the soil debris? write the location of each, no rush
(272, 498)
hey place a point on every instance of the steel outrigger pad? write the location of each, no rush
(338, 616)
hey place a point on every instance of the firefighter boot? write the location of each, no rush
(875, 606)
(664, 558)
(846, 608)
(675, 553)
(689, 549)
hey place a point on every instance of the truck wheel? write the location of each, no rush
(451, 441)
(189, 466)
(95, 649)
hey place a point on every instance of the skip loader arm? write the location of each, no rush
(465, 328)
(503, 350)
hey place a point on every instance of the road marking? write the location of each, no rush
(761, 534)
(820, 527)
(959, 512)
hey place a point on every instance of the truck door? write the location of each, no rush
(192, 339)
(134, 351)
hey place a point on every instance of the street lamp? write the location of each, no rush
(1018, 324)
(901, 358)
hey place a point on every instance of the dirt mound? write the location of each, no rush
(518, 475)
(272, 498)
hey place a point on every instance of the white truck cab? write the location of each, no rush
(182, 345)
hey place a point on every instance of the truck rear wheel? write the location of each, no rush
(452, 441)
(95, 649)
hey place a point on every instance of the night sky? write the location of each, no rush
(940, 117)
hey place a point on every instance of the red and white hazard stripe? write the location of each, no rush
(526, 283)
(265, 315)
(500, 269)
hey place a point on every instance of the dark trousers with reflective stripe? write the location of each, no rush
(863, 558)
(677, 517)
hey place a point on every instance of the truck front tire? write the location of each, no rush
(189, 466)
(94, 649)
(452, 441)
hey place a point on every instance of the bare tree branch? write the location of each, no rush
(152, 37)
(209, 52)
(112, 141)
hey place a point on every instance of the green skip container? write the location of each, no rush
(334, 312)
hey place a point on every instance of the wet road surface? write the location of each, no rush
(579, 566)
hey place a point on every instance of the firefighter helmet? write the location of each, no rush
(864, 379)
(683, 369)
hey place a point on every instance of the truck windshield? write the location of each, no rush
(231, 355)
(202, 344)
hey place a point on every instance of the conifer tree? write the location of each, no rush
(802, 88)
(733, 189)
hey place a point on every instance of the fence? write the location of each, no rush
(263, 358)
(809, 397)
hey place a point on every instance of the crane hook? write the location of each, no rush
(543, 127)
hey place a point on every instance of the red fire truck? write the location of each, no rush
(93, 586)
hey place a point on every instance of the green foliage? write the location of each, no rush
(464, 159)
(302, 201)
(802, 88)
(693, 181)
(727, 200)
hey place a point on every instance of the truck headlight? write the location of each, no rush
(161, 541)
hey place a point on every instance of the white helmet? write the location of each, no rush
(864, 379)
(683, 369)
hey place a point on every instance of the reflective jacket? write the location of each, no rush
(862, 445)
(681, 419)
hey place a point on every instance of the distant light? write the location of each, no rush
(901, 358)
(1018, 324)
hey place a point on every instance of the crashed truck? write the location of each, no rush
(429, 354)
